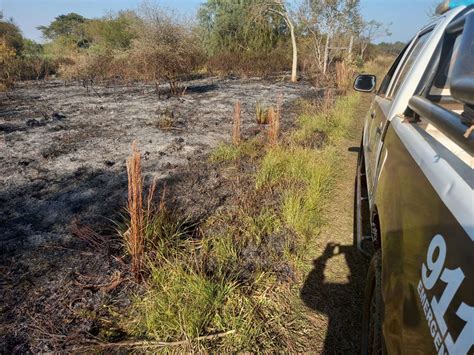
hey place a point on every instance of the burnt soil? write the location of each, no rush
(62, 168)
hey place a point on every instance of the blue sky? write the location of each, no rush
(406, 16)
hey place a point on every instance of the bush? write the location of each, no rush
(150, 45)
(164, 48)
(250, 63)
(8, 66)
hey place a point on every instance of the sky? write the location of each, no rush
(405, 16)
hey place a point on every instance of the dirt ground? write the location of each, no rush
(63, 165)
(334, 289)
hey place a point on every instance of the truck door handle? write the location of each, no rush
(372, 114)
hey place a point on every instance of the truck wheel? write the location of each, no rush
(372, 340)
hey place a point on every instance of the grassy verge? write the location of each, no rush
(241, 271)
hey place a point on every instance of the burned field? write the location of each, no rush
(63, 175)
(64, 147)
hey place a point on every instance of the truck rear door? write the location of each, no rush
(378, 119)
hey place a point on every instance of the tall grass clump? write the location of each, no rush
(180, 304)
(261, 113)
(335, 122)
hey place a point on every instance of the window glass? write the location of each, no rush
(388, 78)
(414, 54)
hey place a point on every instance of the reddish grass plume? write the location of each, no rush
(236, 130)
(274, 121)
(134, 238)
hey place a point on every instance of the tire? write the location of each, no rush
(372, 337)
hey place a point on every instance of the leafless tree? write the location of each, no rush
(371, 31)
(332, 25)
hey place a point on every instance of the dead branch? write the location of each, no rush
(156, 344)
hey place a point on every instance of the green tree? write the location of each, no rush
(333, 26)
(112, 32)
(372, 31)
(279, 8)
(31, 48)
(69, 26)
(10, 34)
(232, 26)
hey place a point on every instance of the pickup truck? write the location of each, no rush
(414, 193)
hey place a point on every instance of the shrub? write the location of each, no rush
(248, 64)
(8, 66)
(164, 49)
(165, 121)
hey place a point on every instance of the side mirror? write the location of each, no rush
(365, 83)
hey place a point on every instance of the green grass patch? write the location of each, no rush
(230, 152)
(302, 206)
(305, 174)
(335, 123)
(230, 278)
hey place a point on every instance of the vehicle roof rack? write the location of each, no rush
(462, 83)
(457, 127)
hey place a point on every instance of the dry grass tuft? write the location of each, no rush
(274, 121)
(165, 120)
(344, 75)
(328, 100)
(236, 131)
(134, 239)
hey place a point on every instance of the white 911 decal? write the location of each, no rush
(435, 306)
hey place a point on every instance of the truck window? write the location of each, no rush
(439, 92)
(413, 55)
(388, 78)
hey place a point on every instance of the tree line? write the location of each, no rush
(242, 37)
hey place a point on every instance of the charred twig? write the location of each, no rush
(156, 344)
(113, 284)
(88, 235)
(54, 246)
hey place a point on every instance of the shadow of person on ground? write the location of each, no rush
(340, 300)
